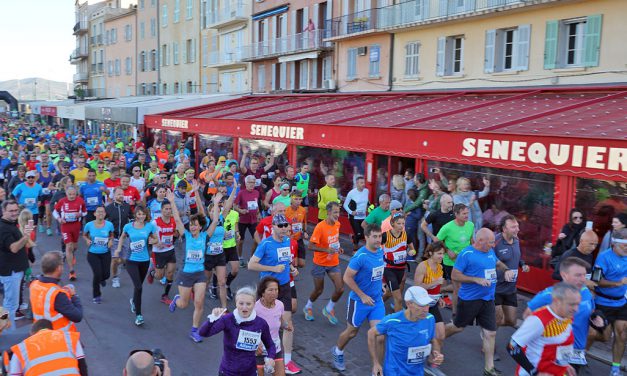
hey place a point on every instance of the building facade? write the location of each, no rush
(120, 46)
(80, 55)
(147, 57)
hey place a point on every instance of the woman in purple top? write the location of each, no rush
(243, 332)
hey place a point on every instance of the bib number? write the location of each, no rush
(101, 242)
(418, 354)
(215, 248)
(563, 354)
(252, 205)
(335, 246)
(45, 191)
(377, 273)
(30, 201)
(257, 182)
(137, 246)
(578, 357)
(194, 255)
(229, 235)
(297, 227)
(400, 257)
(490, 275)
(167, 239)
(283, 254)
(70, 217)
(92, 201)
(515, 276)
(247, 340)
(359, 214)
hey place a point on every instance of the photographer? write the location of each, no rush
(146, 363)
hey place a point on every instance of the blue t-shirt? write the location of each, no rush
(99, 236)
(229, 189)
(138, 239)
(155, 208)
(474, 263)
(214, 246)
(92, 194)
(614, 269)
(582, 316)
(272, 253)
(51, 167)
(28, 196)
(194, 256)
(408, 343)
(369, 267)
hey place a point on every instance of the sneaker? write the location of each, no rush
(132, 305)
(165, 299)
(292, 369)
(23, 306)
(193, 334)
(151, 276)
(338, 360)
(49, 231)
(163, 281)
(115, 282)
(72, 275)
(19, 315)
(173, 303)
(103, 283)
(492, 372)
(41, 229)
(308, 314)
(97, 300)
(615, 371)
(139, 320)
(330, 315)
(242, 264)
(229, 294)
(213, 293)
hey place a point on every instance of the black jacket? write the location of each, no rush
(9, 261)
(119, 215)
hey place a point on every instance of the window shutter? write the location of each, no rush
(184, 52)
(440, 57)
(490, 39)
(521, 52)
(592, 40)
(550, 44)
(193, 52)
(205, 51)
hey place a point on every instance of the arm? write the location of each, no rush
(317, 248)
(242, 163)
(419, 276)
(229, 202)
(266, 200)
(422, 196)
(322, 204)
(180, 227)
(266, 338)
(87, 239)
(215, 214)
(254, 265)
(373, 333)
(460, 277)
(210, 328)
(119, 249)
(486, 189)
(349, 280)
(71, 308)
(425, 228)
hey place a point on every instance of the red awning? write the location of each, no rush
(561, 130)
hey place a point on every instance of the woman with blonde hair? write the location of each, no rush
(397, 191)
(464, 195)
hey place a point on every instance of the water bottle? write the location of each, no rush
(267, 368)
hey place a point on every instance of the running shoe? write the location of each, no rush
(165, 299)
(41, 229)
(308, 314)
(97, 300)
(213, 293)
(193, 334)
(163, 281)
(329, 315)
(338, 360)
(115, 282)
(292, 369)
(19, 315)
(229, 294)
(132, 305)
(73, 275)
(23, 306)
(492, 372)
(173, 303)
(242, 263)
(615, 371)
(151, 275)
(49, 231)
(139, 320)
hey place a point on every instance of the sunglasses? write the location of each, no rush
(577, 217)
(282, 225)
(286, 190)
(136, 170)
(30, 177)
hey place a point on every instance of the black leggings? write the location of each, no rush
(358, 231)
(137, 270)
(100, 264)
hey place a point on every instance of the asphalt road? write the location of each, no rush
(109, 333)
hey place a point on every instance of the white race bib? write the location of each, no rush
(400, 257)
(283, 254)
(297, 227)
(563, 354)
(137, 246)
(377, 273)
(578, 357)
(30, 201)
(167, 239)
(515, 276)
(257, 182)
(247, 340)
(215, 248)
(335, 246)
(1, 175)
(490, 275)
(228, 235)
(359, 214)
(193, 255)
(45, 191)
(92, 201)
(418, 354)
(101, 242)
(252, 205)
(70, 217)
(13, 173)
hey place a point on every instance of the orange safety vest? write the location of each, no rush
(48, 352)
(42, 297)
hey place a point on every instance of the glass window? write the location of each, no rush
(262, 148)
(173, 138)
(526, 195)
(219, 145)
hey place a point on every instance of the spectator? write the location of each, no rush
(619, 222)
(464, 195)
(142, 363)
(584, 250)
(570, 234)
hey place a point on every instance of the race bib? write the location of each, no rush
(92, 201)
(193, 255)
(578, 357)
(1, 175)
(215, 248)
(70, 217)
(283, 254)
(45, 191)
(490, 275)
(257, 182)
(418, 354)
(335, 246)
(128, 199)
(167, 239)
(137, 246)
(377, 273)
(297, 227)
(400, 257)
(30, 201)
(252, 205)
(228, 235)
(515, 276)
(162, 161)
(13, 173)
(563, 354)
(360, 214)
(247, 340)
(100, 241)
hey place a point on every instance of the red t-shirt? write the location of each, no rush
(71, 211)
(31, 165)
(112, 184)
(165, 232)
(131, 196)
(248, 200)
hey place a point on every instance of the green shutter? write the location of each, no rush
(550, 44)
(592, 40)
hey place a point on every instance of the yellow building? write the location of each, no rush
(434, 44)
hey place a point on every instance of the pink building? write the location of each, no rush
(120, 46)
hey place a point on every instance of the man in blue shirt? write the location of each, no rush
(475, 269)
(364, 277)
(28, 194)
(93, 193)
(611, 296)
(409, 335)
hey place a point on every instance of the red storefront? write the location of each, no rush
(544, 150)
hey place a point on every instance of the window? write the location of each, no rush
(153, 3)
(450, 59)
(153, 27)
(141, 4)
(153, 87)
(165, 89)
(164, 15)
(303, 78)
(107, 36)
(118, 67)
(142, 61)
(189, 9)
(128, 33)
(190, 50)
(110, 68)
(345, 165)
(153, 60)
(177, 11)
(507, 49)
(142, 30)
(374, 60)
(412, 50)
(114, 35)
(165, 58)
(261, 78)
(175, 53)
(351, 64)
(205, 50)
(573, 42)
(190, 87)
(128, 66)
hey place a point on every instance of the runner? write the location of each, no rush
(271, 309)
(192, 278)
(137, 180)
(119, 214)
(326, 195)
(98, 235)
(243, 331)
(92, 192)
(395, 250)
(380, 213)
(356, 205)
(409, 338)
(45, 180)
(364, 276)
(325, 242)
(131, 194)
(297, 215)
(544, 341)
(80, 172)
(247, 204)
(231, 237)
(156, 202)
(28, 194)
(113, 181)
(164, 254)
(69, 212)
(284, 197)
(139, 232)
(182, 200)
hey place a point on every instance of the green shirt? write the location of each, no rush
(286, 200)
(230, 229)
(455, 238)
(377, 216)
(326, 194)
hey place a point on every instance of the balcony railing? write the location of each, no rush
(411, 12)
(78, 54)
(225, 57)
(96, 39)
(81, 77)
(80, 27)
(305, 41)
(227, 15)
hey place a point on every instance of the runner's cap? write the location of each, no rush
(279, 219)
(418, 295)
(31, 173)
(395, 205)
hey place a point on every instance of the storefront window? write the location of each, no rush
(172, 139)
(262, 149)
(219, 145)
(344, 165)
(526, 195)
(600, 201)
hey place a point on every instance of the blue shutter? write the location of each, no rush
(440, 61)
(550, 44)
(523, 36)
(592, 40)
(490, 40)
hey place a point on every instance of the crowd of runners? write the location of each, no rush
(151, 211)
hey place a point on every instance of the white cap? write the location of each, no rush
(418, 295)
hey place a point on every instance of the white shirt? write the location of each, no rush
(361, 199)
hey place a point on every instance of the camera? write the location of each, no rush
(157, 356)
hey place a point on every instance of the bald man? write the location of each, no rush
(141, 363)
(475, 270)
(587, 244)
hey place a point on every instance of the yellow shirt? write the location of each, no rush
(80, 175)
(102, 176)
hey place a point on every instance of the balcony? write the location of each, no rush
(223, 59)
(80, 28)
(229, 15)
(80, 77)
(413, 13)
(96, 40)
(291, 44)
(78, 55)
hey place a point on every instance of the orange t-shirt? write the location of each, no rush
(105, 154)
(326, 236)
(162, 157)
(297, 217)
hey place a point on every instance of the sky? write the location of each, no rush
(36, 39)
